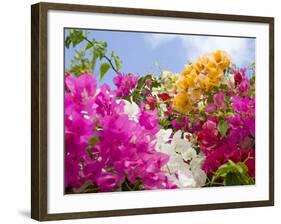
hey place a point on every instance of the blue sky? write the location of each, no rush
(143, 53)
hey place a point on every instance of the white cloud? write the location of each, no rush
(241, 50)
(155, 40)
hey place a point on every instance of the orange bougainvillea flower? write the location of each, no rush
(199, 77)
(187, 70)
(222, 59)
(182, 102)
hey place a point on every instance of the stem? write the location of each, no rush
(110, 62)
(127, 185)
(108, 59)
(138, 182)
(248, 157)
(168, 169)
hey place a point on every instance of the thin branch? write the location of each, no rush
(110, 62)
(108, 59)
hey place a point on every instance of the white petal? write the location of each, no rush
(163, 107)
(200, 177)
(196, 162)
(165, 148)
(188, 153)
(177, 136)
(164, 135)
(176, 163)
(186, 179)
(131, 109)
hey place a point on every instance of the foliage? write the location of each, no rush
(85, 59)
(233, 174)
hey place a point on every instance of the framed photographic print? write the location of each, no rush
(139, 111)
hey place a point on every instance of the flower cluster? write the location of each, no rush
(107, 147)
(199, 77)
(184, 166)
(124, 83)
(196, 129)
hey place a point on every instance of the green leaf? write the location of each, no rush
(252, 79)
(223, 127)
(100, 48)
(67, 42)
(233, 174)
(142, 80)
(224, 86)
(216, 89)
(89, 45)
(103, 69)
(241, 168)
(76, 37)
(135, 96)
(79, 63)
(93, 61)
(224, 170)
(117, 61)
(128, 186)
(232, 179)
(155, 83)
(164, 123)
(252, 65)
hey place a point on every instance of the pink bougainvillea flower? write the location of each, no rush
(220, 156)
(242, 82)
(182, 123)
(124, 83)
(219, 101)
(149, 119)
(106, 103)
(151, 102)
(72, 178)
(210, 108)
(176, 124)
(81, 87)
(148, 82)
(238, 78)
(244, 86)
(248, 156)
(237, 144)
(243, 105)
(108, 181)
(130, 149)
(103, 145)
(208, 137)
(229, 152)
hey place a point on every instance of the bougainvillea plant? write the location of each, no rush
(166, 131)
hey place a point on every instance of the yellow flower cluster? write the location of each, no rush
(199, 77)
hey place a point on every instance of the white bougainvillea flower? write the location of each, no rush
(199, 177)
(184, 166)
(163, 107)
(185, 179)
(132, 109)
(180, 144)
(163, 136)
(197, 161)
(183, 146)
(195, 165)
